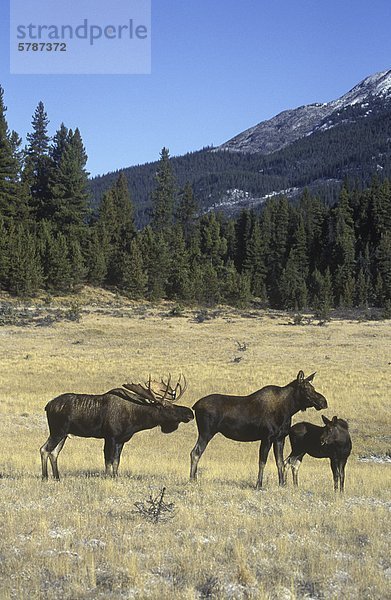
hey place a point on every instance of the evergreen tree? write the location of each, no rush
(25, 272)
(293, 289)
(178, 280)
(69, 185)
(322, 292)
(254, 264)
(96, 258)
(236, 287)
(11, 199)
(4, 257)
(344, 250)
(187, 210)
(37, 164)
(156, 256)
(61, 139)
(76, 262)
(383, 256)
(58, 266)
(163, 197)
(134, 276)
(213, 245)
(278, 247)
(244, 226)
(117, 229)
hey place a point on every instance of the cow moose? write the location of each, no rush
(264, 415)
(114, 416)
(332, 441)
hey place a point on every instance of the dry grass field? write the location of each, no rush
(82, 539)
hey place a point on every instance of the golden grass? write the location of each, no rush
(80, 539)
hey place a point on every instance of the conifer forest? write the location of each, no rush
(306, 254)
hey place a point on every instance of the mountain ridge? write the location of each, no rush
(290, 125)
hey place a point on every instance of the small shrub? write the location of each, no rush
(73, 313)
(155, 509)
(176, 311)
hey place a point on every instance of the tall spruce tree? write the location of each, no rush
(163, 197)
(37, 164)
(293, 283)
(117, 228)
(279, 210)
(11, 196)
(69, 185)
(344, 250)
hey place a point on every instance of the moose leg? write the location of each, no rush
(335, 469)
(295, 462)
(117, 457)
(196, 454)
(109, 451)
(263, 454)
(342, 475)
(278, 449)
(53, 458)
(45, 450)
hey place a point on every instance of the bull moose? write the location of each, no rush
(264, 415)
(331, 441)
(114, 416)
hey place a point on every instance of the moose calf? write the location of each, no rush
(332, 441)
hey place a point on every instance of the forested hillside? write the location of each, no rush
(353, 149)
(309, 254)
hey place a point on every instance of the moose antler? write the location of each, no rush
(156, 392)
(182, 389)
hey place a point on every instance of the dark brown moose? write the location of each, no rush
(332, 441)
(264, 415)
(114, 416)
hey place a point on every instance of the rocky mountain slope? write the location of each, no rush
(291, 125)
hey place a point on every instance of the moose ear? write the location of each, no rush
(335, 419)
(310, 377)
(300, 377)
(326, 421)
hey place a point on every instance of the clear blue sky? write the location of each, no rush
(218, 67)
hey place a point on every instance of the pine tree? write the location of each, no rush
(213, 245)
(163, 197)
(96, 264)
(383, 256)
(156, 256)
(25, 271)
(134, 276)
(344, 250)
(322, 293)
(178, 280)
(117, 229)
(61, 139)
(278, 247)
(58, 266)
(4, 256)
(293, 288)
(244, 226)
(37, 164)
(187, 210)
(237, 287)
(11, 198)
(76, 262)
(69, 185)
(254, 264)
